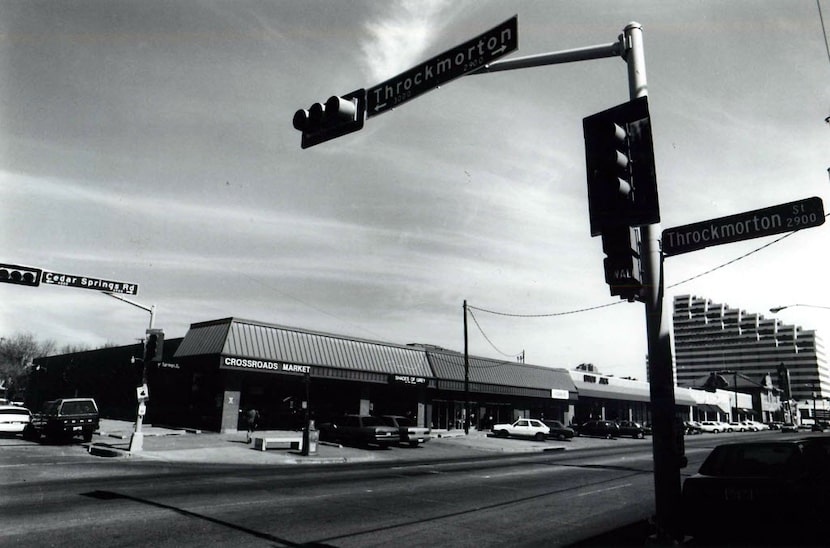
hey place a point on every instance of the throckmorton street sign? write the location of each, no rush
(467, 57)
(744, 226)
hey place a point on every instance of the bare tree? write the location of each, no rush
(16, 355)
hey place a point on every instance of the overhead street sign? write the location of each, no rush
(70, 280)
(744, 226)
(458, 61)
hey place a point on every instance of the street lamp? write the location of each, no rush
(777, 309)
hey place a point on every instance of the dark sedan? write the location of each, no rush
(559, 431)
(360, 430)
(599, 428)
(633, 429)
(742, 485)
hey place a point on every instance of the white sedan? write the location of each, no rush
(712, 426)
(13, 419)
(524, 428)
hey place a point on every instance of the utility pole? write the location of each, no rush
(466, 375)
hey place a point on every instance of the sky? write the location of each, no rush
(151, 142)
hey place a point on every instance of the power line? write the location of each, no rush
(486, 338)
(823, 30)
(588, 309)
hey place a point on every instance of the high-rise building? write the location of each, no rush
(710, 337)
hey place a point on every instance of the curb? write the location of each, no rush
(101, 450)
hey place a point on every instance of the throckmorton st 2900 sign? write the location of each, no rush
(744, 226)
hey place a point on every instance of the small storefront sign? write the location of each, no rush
(407, 379)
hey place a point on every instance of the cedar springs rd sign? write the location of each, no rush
(744, 226)
(462, 59)
(70, 280)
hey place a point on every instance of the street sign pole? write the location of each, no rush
(667, 461)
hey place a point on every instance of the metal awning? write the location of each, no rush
(260, 343)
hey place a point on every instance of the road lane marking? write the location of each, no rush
(594, 492)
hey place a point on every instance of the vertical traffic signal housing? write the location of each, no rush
(622, 264)
(21, 275)
(154, 347)
(334, 118)
(619, 160)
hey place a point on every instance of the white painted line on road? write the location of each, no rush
(603, 490)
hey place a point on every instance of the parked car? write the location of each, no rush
(633, 429)
(14, 419)
(714, 427)
(754, 426)
(559, 431)
(603, 429)
(820, 426)
(523, 428)
(741, 485)
(692, 428)
(360, 430)
(408, 429)
(736, 427)
(774, 425)
(789, 427)
(63, 419)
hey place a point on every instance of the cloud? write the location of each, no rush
(401, 37)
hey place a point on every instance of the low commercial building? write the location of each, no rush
(220, 368)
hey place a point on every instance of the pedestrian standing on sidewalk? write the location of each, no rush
(252, 417)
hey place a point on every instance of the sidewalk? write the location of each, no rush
(194, 446)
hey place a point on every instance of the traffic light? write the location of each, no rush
(619, 158)
(22, 275)
(154, 348)
(622, 264)
(338, 116)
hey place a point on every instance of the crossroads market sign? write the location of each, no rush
(229, 362)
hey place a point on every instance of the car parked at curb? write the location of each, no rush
(692, 428)
(523, 428)
(14, 419)
(360, 430)
(598, 428)
(789, 427)
(633, 429)
(410, 433)
(63, 419)
(754, 426)
(559, 431)
(712, 427)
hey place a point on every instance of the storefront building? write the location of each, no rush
(223, 367)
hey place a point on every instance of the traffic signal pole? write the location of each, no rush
(667, 438)
(323, 122)
(137, 437)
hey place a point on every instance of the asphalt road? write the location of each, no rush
(60, 496)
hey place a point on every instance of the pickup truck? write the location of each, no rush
(409, 431)
(523, 428)
(61, 420)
